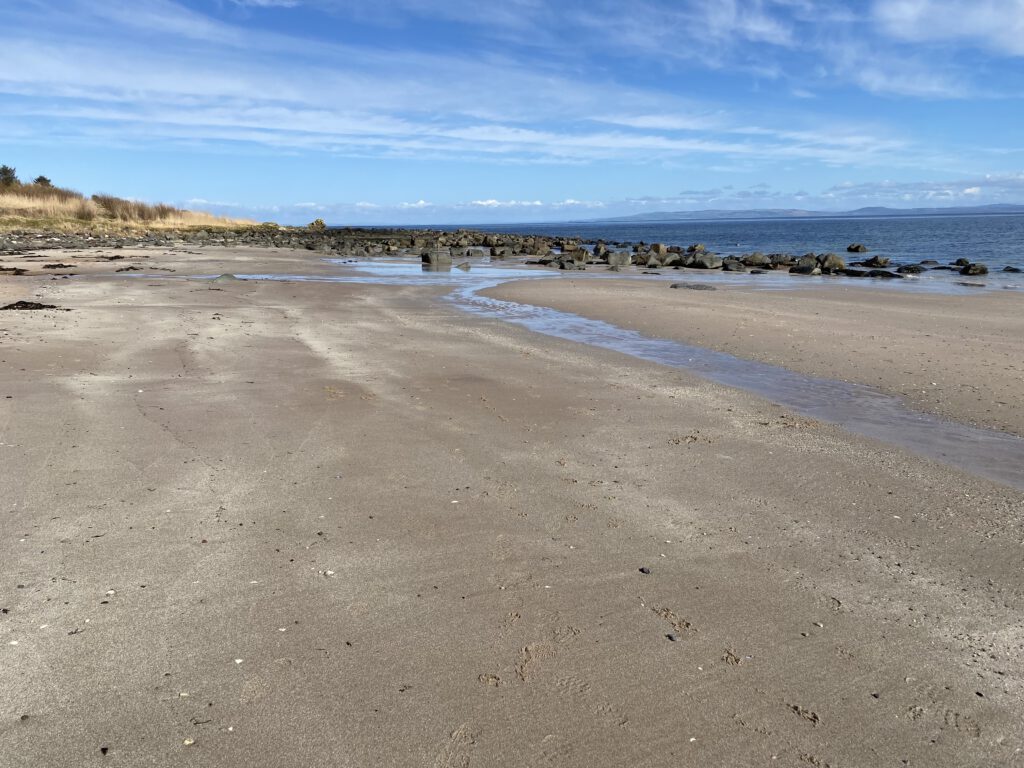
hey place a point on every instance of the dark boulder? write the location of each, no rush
(756, 260)
(974, 269)
(733, 265)
(704, 260)
(883, 274)
(831, 263)
(857, 248)
(436, 256)
(910, 269)
(877, 262)
(807, 265)
(1017, 270)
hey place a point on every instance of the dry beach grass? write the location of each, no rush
(54, 208)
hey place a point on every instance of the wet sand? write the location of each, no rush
(304, 524)
(958, 356)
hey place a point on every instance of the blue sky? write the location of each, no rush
(466, 111)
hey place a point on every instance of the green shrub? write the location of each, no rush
(318, 225)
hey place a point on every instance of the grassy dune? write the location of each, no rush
(43, 206)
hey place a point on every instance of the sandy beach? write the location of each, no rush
(958, 356)
(317, 524)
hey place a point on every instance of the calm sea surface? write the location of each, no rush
(996, 241)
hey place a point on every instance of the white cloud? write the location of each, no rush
(997, 25)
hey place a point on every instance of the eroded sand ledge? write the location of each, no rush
(190, 468)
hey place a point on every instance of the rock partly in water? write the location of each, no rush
(436, 256)
(756, 260)
(704, 260)
(808, 265)
(857, 248)
(831, 263)
(974, 269)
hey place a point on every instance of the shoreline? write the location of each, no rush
(447, 247)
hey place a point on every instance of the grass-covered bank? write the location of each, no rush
(39, 204)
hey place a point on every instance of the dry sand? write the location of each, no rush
(300, 524)
(961, 356)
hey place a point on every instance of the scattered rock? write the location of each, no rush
(645, 570)
(1017, 270)
(694, 286)
(857, 248)
(974, 269)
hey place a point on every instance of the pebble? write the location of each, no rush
(672, 637)
(645, 570)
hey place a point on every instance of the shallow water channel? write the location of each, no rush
(857, 408)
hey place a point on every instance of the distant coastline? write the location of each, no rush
(759, 214)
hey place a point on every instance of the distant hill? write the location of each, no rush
(796, 213)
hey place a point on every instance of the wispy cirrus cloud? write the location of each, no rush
(390, 104)
(997, 25)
